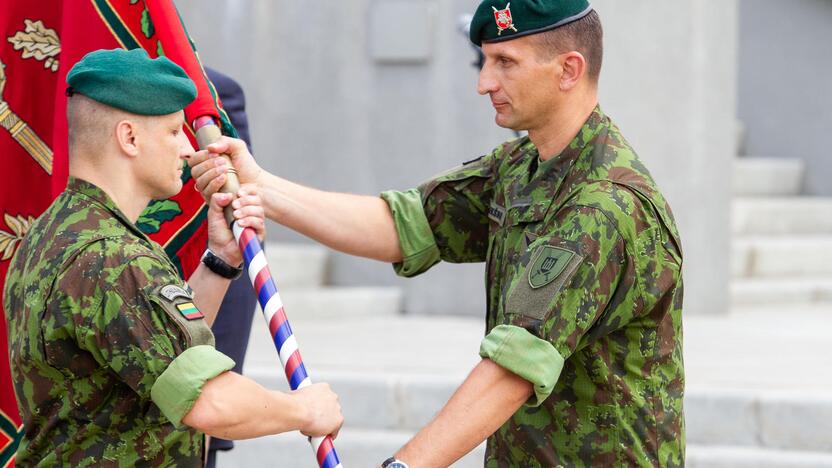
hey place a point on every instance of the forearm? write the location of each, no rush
(235, 407)
(487, 399)
(209, 291)
(353, 224)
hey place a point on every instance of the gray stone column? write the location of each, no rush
(669, 81)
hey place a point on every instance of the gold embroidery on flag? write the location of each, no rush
(21, 132)
(38, 41)
(8, 240)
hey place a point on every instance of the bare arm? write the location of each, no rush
(209, 290)
(487, 398)
(235, 407)
(354, 224)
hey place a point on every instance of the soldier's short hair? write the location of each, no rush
(584, 35)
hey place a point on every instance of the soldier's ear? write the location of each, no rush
(126, 132)
(573, 66)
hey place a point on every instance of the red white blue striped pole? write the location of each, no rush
(207, 132)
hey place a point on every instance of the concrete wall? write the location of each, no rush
(340, 102)
(785, 90)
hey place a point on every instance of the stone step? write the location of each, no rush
(714, 416)
(363, 447)
(781, 216)
(355, 447)
(797, 421)
(297, 265)
(342, 302)
(785, 256)
(755, 176)
(748, 457)
(784, 291)
(757, 382)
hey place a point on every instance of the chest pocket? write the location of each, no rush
(179, 306)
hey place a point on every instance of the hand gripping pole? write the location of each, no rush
(208, 132)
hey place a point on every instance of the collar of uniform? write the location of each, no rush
(94, 193)
(531, 196)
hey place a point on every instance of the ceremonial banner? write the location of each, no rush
(40, 42)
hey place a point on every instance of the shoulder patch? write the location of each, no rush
(172, 291)
(548, 264)
(189, 311)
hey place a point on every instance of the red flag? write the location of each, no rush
(41, 41)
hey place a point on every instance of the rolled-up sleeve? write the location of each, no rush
(517, 350)
(419, 250)
(179, 386)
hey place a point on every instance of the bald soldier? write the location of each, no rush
(113, 358)
(582, 357)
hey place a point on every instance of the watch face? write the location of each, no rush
(397, 464)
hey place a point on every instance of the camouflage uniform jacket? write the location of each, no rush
(583, 265)
(97, 315)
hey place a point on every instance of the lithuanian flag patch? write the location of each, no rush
(189, 311)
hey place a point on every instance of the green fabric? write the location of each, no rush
(526, 355)
(177, 389)
(419, 250)
(90, 332)
(522, 17)
(614, 313)
(130, 80)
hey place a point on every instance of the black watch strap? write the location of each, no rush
(392, 461)
(219, 267)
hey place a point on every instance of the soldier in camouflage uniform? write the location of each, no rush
(582, 358)
(113, 358)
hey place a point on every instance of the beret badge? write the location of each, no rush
(503, 19)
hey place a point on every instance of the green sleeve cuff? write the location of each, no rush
(177, 389)
(515, 349)
(419, 250)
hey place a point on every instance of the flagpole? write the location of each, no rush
(265, 287)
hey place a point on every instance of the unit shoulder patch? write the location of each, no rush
(549, 262)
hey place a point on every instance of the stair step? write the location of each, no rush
(786, 256)
(791, 291)
(363, 447)
(772, 419)
(765, 419)
(751, 457)
(342, 302)
(355, 447)
(767, 176)
(781, 216)
(297, 265)
(378, 401)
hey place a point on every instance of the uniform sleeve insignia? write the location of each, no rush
(548, 264)
(189, 311)
(172, 291)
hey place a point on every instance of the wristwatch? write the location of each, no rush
(392, 462)
(218, 266)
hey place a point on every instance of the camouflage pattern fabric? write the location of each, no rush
(581, 250)
(96, 313)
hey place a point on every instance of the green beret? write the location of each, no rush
(130, 80)
(501, 20)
